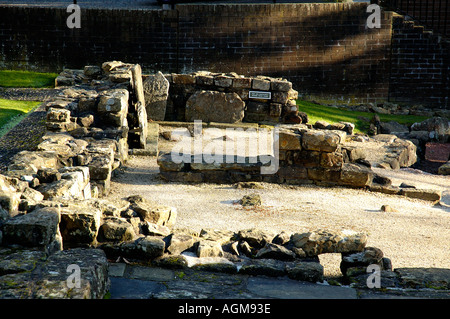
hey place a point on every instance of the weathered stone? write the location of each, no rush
(321, 241)
(278, 85)
(152, 229)
(116, 229)
(440, 125)
(251, 200)
(321, 125)
(266, 267)
(220, 236)
(35, 229)
(212, 106)
(183, 78)
(242, 83)
(369, 256)
(320, 141)
(153, 212)
(256, 238)
(148, 248)
(305, 271)
(71, 186)
(58, 115)
(179, 243)
(416, 278)
(274, 251)
(79, 224)
(334, 159)
(9, 204)
(156, 92)
(281, 238)
(289, 140)
(209, 248)
(21, 261)
(393, 127)
(48, 278)
(444, 169)
(115, 101)
(355, 175)
(424, 194)
(223, 81)
(260, 84)
(92, 70)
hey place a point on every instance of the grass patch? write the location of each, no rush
(27, 79)
(12, 112)
(333, 115)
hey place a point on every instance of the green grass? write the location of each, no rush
(333, 115)
(12, 112)
(26, 79)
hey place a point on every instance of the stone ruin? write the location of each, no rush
(52, 213)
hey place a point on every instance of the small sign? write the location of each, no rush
(260, 95)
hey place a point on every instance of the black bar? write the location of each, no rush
(446, 17)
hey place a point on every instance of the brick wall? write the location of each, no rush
(420, 65)
(434, 14)
(323, 49)
(38, 38)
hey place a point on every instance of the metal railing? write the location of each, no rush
(432, 14)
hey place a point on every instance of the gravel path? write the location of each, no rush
(417, 235)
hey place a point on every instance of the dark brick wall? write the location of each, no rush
(419, 65)
(38, 38)
(434, 14)
(323, 49)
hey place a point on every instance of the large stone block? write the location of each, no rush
(153, 212)
(113, 101)
(356, 175)
(156, 93)
(212, 106)
(320, 141)
(79, 224)
(321, 242)
(36, 229)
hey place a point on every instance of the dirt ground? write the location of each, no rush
(416, 235)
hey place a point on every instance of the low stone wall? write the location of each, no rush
(255, 99)
(305, 156)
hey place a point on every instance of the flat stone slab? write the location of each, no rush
(292, 289)
(70, 274)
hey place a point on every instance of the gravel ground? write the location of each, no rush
(417, 235)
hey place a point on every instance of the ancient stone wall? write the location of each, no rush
(230, 98)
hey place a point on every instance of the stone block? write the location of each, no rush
(113, 101)
(36, 229)
(212, 106)
(320, 141)
(209, 248)
(242, 83)
(260, 84)
(223, 81)
(356, 175)
(289, 140)
(156, 93)
(116, 230)
(278, 85)
(320, 242)
(58, 115)
(305, 271)
(424, 194)
(79, 224)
